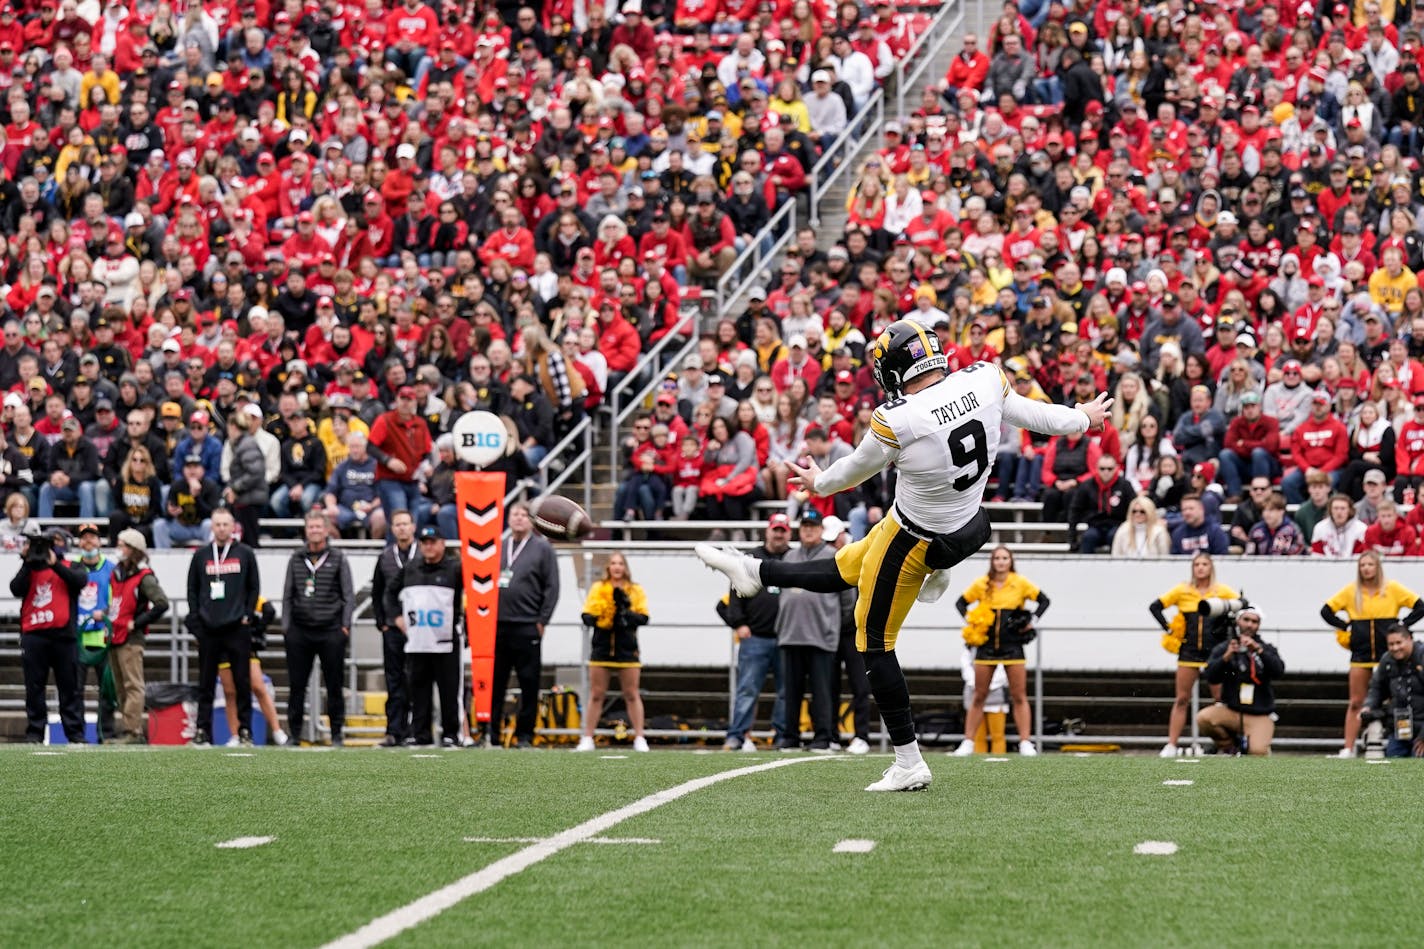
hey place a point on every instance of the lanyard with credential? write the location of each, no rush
(310, 588)
(217, 587)
(507, 574)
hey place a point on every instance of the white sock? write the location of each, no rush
(907, 756)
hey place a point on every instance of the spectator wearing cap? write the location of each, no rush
(1170, 326)
(1320, 443)
(533, 418)
(74, 472)
(424, 597)
(1288, 400)
(199, 441)
(1251, 448)
(825, 109)
(796, 363)
(303, 469)
(400, 441)
(192, 498)
(710, 238)
(808, 636)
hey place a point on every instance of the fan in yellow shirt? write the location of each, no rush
(1390, 283)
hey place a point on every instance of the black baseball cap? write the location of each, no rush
(429, 532)
(89, 529)
(811, 518)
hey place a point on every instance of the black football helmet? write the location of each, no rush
(903, 352)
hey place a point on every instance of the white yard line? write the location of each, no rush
(428, 907)
(854, 846)
(1155, 848)
(1177, 784)
(612, 757)
(540, 840)
(244, 843)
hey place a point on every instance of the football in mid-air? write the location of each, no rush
(558, 518)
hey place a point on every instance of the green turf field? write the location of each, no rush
(117, 847)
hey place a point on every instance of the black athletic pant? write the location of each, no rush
(800, 666)
(854, 662)
(441, 670)
(397, 689)
(517, 648)
(304, 647)
(233, 645)
(43, 653)
(106, 708)
(246, 516)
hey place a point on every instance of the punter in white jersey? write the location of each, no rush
(941, 432)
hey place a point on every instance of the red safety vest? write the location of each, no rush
(123, 604)
(47, 604)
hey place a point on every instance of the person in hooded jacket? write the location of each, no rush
(1101, 502)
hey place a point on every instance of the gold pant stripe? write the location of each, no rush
(887, 566)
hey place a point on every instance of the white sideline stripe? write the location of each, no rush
(427, 907)
(1376, 761)
(48, 754)
(426, 756)
(244, 843)
(1155, 848)
(612, 757)
(1187, 760)
(854, 846)
(540, 840)
(996, 760)
(238, 754)
(1177, 784)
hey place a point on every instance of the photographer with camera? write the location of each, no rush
(1242, 720)
(1396, 695)
(49, 590)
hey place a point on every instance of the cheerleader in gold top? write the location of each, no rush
(1192, 636)
(1371, 605)
(616, 607)
(1000, 627)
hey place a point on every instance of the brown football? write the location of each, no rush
(558, 518)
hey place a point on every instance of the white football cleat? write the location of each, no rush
(1345, 753)
(640, 743)
(965, 749)
(897, 778)
(858, 746)
(743, 570)
(233, 742)
(749, 746)
(1169, 750)
(934, 586)
(1028, 749)
(585, 744)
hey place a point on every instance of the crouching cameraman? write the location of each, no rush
(1243, 721)
(1396, 696)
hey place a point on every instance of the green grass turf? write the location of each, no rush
(116, 847)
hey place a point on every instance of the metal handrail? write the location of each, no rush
(865, 125)
(584, 430)
(938, 34)
(620, 414)
(752, 256)
(648, 360)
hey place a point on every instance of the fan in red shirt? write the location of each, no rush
(1391, 535)
(306, 248)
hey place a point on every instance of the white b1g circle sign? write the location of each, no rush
(479, 438)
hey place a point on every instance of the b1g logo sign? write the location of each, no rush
(434, 618)
(480, 438)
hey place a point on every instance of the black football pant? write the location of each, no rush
(41, 654)
(517, 649)
(304, 647)
(397, 689)
(439, 670)
(233, 645)
(854, 662)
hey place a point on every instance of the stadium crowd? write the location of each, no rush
(1211, 211)
(262, 254)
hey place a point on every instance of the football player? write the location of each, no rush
(941, 432)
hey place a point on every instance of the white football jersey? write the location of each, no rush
(943, 440)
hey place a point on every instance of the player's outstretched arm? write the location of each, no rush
(1055, 419)
(869, 457)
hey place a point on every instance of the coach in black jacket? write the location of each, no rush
(391, 562)
(426, 600)
(317, 601)
(753, 621)
(528, 593)
(223, 587)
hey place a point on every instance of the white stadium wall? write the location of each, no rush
(1098, 619)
